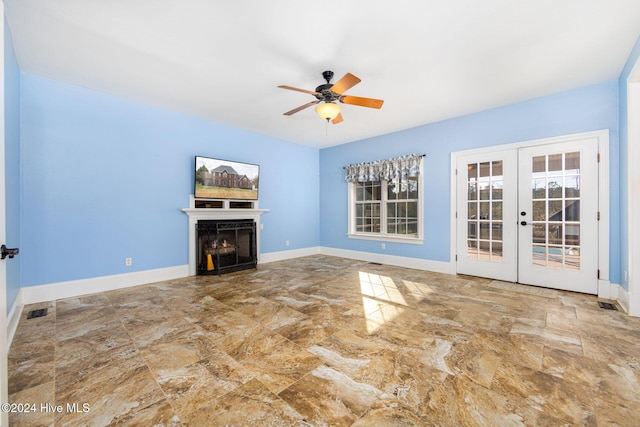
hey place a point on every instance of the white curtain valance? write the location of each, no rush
(396, 169)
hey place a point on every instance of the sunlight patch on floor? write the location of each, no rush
(381, 299)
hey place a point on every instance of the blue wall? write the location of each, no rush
(586, 109)
(105, 178)
(624, 165)
(12, 162)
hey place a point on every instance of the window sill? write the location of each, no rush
(386, 238)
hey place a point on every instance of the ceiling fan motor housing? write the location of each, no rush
(324, 91)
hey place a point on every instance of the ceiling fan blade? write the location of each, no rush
(345, 83)
(362, 102)
(300, 108)
(297, 89)
(338, 119)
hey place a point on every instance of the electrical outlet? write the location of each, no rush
(261, 226)
(127, 262)
(384, 246)
(286, 243)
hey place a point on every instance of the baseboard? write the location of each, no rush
(399, 261)
(13, 318)
(284, 255)
(622, 296)
(74, 288)
(607, 290)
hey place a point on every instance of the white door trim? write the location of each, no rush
(633, 188)
(602, 137)
(4, 346)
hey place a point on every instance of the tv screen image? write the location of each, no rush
(224, 179)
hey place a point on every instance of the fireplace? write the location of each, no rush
(224, 211)
(225, 245)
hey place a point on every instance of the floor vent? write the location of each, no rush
(607, 306)
(37, 313)
(375, 263)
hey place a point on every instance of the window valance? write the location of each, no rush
(395, 169)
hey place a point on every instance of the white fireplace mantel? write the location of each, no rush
(197, 214)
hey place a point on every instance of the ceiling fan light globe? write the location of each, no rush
(328, 110)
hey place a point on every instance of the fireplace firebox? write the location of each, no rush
(225, 245)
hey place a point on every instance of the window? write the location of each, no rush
(385, 209)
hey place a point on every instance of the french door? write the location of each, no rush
(530, 215)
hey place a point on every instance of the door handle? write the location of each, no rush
(523, 222)
(8, 252)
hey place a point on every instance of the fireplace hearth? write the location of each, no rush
(225, 245)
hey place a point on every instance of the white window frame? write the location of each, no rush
(383, 236)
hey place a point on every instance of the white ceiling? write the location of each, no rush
(222, 60)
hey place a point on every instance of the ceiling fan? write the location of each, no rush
(326, 95)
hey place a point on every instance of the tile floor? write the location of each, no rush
(327, 341)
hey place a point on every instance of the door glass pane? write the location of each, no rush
(485, 169)
(472, 249)
(555, 188)
(539, 164)
(572, 163)
(484, 210)
(496, 251)
(496, 170)
(539, 235)
(472, 172)
(496, 211)
(556, 214)
(539, 255)
(484, 230)
(496, 231)
(483, 189)
(572, 210)
(572, 186)
(555, 164)
(472, 211)
(539, 210)
(496, 190)
(485, 183)
(484, 253)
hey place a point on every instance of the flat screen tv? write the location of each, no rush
(224, 179)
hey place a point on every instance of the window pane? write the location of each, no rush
(402, 209)
(391, 210)
(413, 188)
(377, 192)
(359, 210)
(412, 210)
